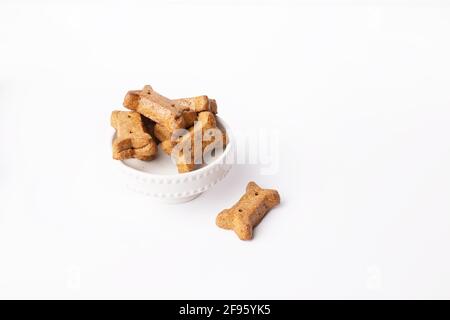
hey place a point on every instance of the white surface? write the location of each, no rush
(359, 94)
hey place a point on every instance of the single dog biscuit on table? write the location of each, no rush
(132, 139)
(248, 211)
(152, 105)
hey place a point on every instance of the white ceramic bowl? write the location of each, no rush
(159, 178)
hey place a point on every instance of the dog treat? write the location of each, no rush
(183, 162)
(167, 146)
(197, 104)
(163, 116)
(189, 118)
(186, 163)
(149, 126)
(206, 120)
(162, 133)
(224, 138)
(248, 211)
(132, 138)
(152, 105)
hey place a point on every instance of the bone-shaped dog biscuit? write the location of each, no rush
(172, 114)
(152, 105)
(132, 139)
(206, 120)
(186, 162)
(190, 107)
(197, 104)
(248, 211)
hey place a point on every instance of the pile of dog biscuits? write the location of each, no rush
(154, 118)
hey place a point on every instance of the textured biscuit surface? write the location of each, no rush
(189, 118)
(248, 211)
(162, 133)
(156, 107)
(172, 114)
(132, 139)
(213, 106)
(186, 161)
(197, 104)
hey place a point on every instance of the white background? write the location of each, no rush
(359, 92)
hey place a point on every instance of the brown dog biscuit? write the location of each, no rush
(132, 138)
(149, 125)
(167, 146)
(144, 153)
(206, 120)
(225, 138)
(213, 106)
(156, 107)
(162, 133)
(164, 111)
(189, 117)
(207, 141)
(186, 161)
(184, 164)
(197, 104)
(248, 211)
